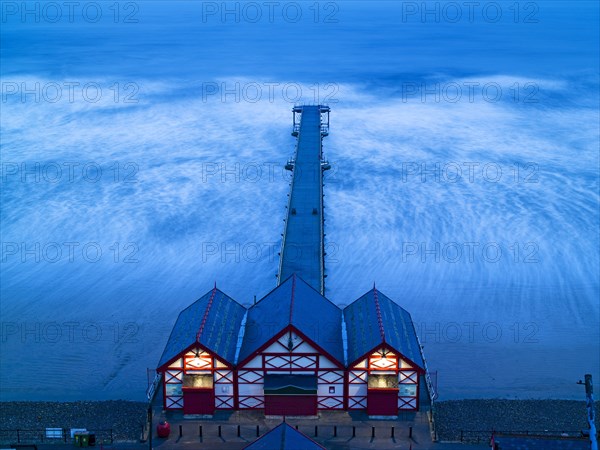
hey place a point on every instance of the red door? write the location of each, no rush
(291, 405)
(382, 402)
(198, 401)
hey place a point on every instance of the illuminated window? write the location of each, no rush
(383, 361)
(197, 360)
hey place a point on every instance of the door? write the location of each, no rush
(382, 402)
(290, 395)
(198, 401)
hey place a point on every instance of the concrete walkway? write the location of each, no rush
(336, 430)
(171, 444)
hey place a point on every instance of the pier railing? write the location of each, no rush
(28, 436)
(484, 436)
(211, 433)
(153, 387)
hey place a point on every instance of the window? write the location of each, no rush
(173, 389)
(408, 390)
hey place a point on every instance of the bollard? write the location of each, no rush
(353, 431)
(410, 433)
(392, 432)
(316, 430)
(180, 431)
(239, 431)
(200, 430)
(372, 432)
(335, 431)
(219, 430)
(257, 431)
(296, 427)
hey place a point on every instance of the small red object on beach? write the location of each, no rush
(163, 429)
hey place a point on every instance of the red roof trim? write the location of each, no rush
(210, 302)
(316, 346)
(387, 346)
(378, 310)
(191, 347)
(277, 335)
(292, 299)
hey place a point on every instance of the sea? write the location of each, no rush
(143, 148)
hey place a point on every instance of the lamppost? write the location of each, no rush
(150, 426)
(589, 394)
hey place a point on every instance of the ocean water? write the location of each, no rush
(143, 146)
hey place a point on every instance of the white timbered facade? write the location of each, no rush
(199, 369)
(384, 370)
(291, 354)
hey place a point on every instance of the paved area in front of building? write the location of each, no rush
(172, 444)
(336, 430)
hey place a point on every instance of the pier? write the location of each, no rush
(303, 250)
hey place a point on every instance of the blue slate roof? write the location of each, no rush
(374, 319)
(541, 443)
(284, 437)
(295, 303)
(302, 249)
(213, 321)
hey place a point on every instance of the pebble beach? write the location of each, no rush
(125, 418)
(552, 416)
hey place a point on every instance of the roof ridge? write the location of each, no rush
(208, 306)
(292, 299)
(378, 310)
(322, 295)
(282, 437)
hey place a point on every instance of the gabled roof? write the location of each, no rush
(213, 321)
(375, 319)
(294, 303)
(284, 437)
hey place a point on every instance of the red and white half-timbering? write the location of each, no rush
(383, 382)
(317, 380)
(198, 382)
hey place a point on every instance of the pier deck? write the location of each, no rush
(302, 250)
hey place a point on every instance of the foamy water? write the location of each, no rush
(479, 216)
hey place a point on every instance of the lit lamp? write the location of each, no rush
(196, 361)
(384, 362)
